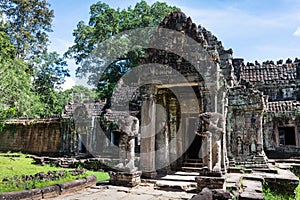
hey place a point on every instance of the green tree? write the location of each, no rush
(79, 93)
(29, 21)
(50, 75)
(16, 97)
(27, 24)
(104, 23)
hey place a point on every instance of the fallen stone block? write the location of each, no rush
(128, 179)
(210, 182)
(219, 194)
(205, 194)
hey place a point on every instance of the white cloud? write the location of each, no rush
(69, 83)
(297, 32)
(245, 31)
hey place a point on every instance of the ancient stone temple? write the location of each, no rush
(183, 106)
(189, 106)
(222, 110)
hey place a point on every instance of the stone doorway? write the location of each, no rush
(195, 141)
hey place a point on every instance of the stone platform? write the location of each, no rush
(179, 181)
(249, 186)
(144, 191)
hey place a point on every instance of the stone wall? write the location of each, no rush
(244, 122)
(277, 143)
(34, 136)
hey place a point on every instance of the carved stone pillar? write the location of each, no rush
(209, 151)
(206, 149)
(229, 134)
(162, 136)
(223, 110)
(173, 130)
(148, 115)
(259, 124)
(214, 99)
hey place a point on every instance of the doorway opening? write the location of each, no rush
(287, 136)
(194, 149)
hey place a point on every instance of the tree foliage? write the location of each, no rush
(50, 75)
(30, 75)
(15, 87)
(105, 22)
(79, 93)
(29, 21)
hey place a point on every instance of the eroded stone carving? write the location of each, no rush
(214, 128)
(128, 129)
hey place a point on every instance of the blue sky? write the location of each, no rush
(255, 29)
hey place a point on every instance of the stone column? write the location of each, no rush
(259, 124)
(229, 128)
(147, 155)
(214, 100)
(209, 151)
(180, 143)
(173, 130)
(223, 110)
(162, 137)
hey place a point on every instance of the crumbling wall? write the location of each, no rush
(244, 122)
(42, 136)
(281, 129)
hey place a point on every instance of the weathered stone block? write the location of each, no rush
(251, 196)
(210, 182)
(150, 175)
(205, 194)
(128, 179)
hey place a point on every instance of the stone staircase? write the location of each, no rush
(252, 162)
(192, 165)
(179, 181)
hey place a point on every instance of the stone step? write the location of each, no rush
(251, 196)
(182, 173)
(189, 164)
(193, 160)
(297, 161)
(179, 178)
(256, 166)
(191, 169)
(267, 170)
(176, 185)
(251, 189)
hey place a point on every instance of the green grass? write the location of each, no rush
(271, 195)
(20, 165)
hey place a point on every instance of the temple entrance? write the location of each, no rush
(195, 141)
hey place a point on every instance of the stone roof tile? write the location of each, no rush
(268, 72)
(283, 106)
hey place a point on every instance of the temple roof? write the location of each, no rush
(268, 72)
(283, 106)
